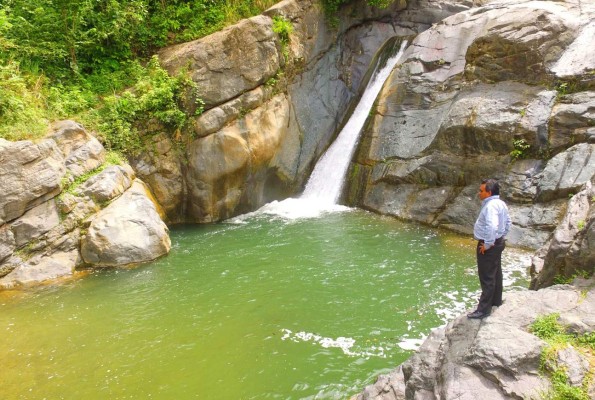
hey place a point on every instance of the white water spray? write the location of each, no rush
(324, 186)
(327, 179)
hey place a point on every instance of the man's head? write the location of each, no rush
(488, 187)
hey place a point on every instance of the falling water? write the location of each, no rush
(327, 179)
(325, 184)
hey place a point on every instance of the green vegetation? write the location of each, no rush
(74, 58)
(561, 279)
(283, 28)
(520, 149)
(554, 334)
(332, 6)
(155, 96)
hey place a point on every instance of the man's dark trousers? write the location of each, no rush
(489, 266)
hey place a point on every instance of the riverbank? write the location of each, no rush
(498, 357)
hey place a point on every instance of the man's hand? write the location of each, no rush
(482, 249)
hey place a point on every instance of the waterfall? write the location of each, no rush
(328, 177)
(324, 186)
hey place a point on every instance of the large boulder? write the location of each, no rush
(230, 62)
(35, 223)
(567, 172)
(82, 151)
(571, 250)
(128, 231)
(573, 120)
(108, 184)
(42, 268)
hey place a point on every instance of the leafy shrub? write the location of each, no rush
(547, 327)
(21, 105)
(332, 6)
(155, 95)
(520, 149)
(283, 28)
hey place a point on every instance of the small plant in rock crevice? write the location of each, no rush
(69, 184)
(520, 149)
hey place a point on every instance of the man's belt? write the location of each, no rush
(497, 241)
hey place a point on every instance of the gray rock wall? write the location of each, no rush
(473, 89)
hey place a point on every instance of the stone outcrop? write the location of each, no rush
(234, 60)
(484, 93)
(231, 170)
(493, 358)
(571, 250)
(49, 215)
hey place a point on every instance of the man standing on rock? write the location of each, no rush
(491, 227)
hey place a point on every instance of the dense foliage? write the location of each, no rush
(75, 58)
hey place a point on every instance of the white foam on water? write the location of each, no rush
(292, 209)
(515, 264)
(411, 343)
(346, 344)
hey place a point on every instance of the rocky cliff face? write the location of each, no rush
(271, 108)
(484, 93)
(64, 207)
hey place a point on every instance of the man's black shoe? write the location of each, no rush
(477, 315)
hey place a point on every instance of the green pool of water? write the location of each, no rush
(259, 309)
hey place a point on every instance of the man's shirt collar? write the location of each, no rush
(485, 201)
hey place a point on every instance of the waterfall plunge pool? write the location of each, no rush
(260, 307)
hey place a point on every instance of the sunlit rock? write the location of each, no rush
(230, 62)
(127, 231)
(82, 151)
(108, 184)
(234, 165)
(41, 268)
